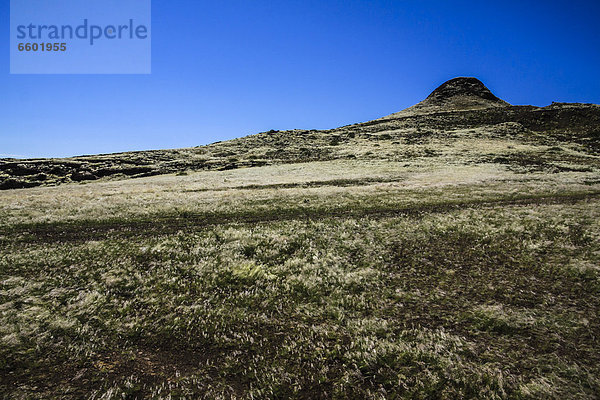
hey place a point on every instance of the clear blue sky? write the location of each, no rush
(225, 69)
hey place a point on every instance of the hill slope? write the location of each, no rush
(459, 105)
(450, 254)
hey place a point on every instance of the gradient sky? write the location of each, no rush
(225, 69)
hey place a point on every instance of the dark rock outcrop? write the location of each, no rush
(464, 88)
(458, 94)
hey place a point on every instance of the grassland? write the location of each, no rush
(337, 279)
(436, 253)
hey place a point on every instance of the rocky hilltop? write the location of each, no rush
(460, 106)
(464, 93)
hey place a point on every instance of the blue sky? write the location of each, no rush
(226, 69)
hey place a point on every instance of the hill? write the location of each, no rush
(462, 108)
(447, 251)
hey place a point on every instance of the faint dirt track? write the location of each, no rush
(162, 224)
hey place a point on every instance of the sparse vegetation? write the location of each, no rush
(459, 291)
(449, 262)
(403, 136)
